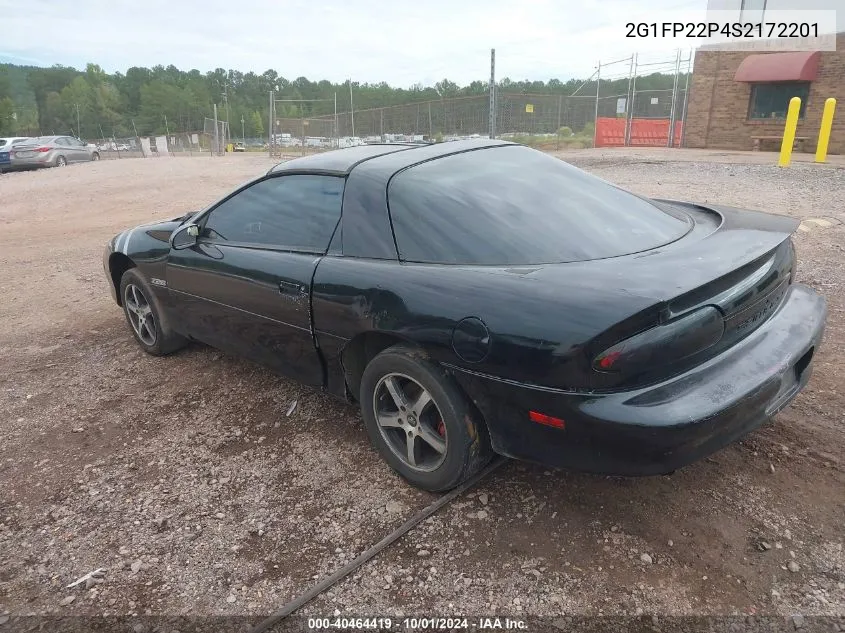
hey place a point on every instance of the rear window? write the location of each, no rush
(38, 140)
(514, 206)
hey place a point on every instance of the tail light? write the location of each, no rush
(664, 344)
(42, 150)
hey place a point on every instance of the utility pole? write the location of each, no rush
(673, 110)
(336, 133)
(491, 117)
(351, 107)
(216, 133)
(167, 138)
(270, 123)
(686, 101)
(226, 105)
(628, 100)
(559, 112)
(629, 128)
(78, 126)
(243, 133)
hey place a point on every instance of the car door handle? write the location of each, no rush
(291, 288)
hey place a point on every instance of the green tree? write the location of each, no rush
(257, 124)
(44, 81)
(53, 118)
(5, 85)
(77, 100)
(8, 121)
(160, 99)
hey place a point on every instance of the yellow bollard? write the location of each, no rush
(789, 131)
(824, 130)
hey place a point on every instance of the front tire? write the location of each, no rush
(95, 156)
(423, 426)
(61, 161)
(146, 318)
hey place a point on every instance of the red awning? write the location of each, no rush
(769, 67)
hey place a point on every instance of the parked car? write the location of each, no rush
(5, 150)
(480, 297)
(240, 147)
(51, 151)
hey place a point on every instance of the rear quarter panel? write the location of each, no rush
(538, 331)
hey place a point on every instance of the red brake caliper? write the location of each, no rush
(441, 428)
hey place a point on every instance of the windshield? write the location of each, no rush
(512, 205)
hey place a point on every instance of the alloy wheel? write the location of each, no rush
(410, 422)
(140, 314)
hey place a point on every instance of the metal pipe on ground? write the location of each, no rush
(376, 549)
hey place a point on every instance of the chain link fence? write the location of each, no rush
(179, 144)
(627, 91)
(215, 137)
(621, 97)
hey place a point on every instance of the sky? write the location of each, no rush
(402, 42)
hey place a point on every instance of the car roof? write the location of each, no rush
(366, 230)
(341, 162)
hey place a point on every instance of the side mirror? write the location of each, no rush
(184, 237)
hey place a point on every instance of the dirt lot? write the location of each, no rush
(185, 479)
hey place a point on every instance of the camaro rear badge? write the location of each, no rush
(158, 282)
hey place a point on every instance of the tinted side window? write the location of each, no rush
(291, 212)
(512, 205)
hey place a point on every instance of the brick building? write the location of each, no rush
(735, 95)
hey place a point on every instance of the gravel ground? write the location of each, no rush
(187, 481)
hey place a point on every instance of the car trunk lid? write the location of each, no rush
(741, 265)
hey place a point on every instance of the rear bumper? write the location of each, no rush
(45, 159)
(660, 428)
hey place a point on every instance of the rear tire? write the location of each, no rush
(61, 161)
(420, 421)
(95, 156)
(146, 318)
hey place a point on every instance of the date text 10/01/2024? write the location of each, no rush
(416, 624)
(759, 30)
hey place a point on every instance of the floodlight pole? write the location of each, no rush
(491, 117)
(596, 117)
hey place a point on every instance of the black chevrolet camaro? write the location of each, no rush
(480, 297)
